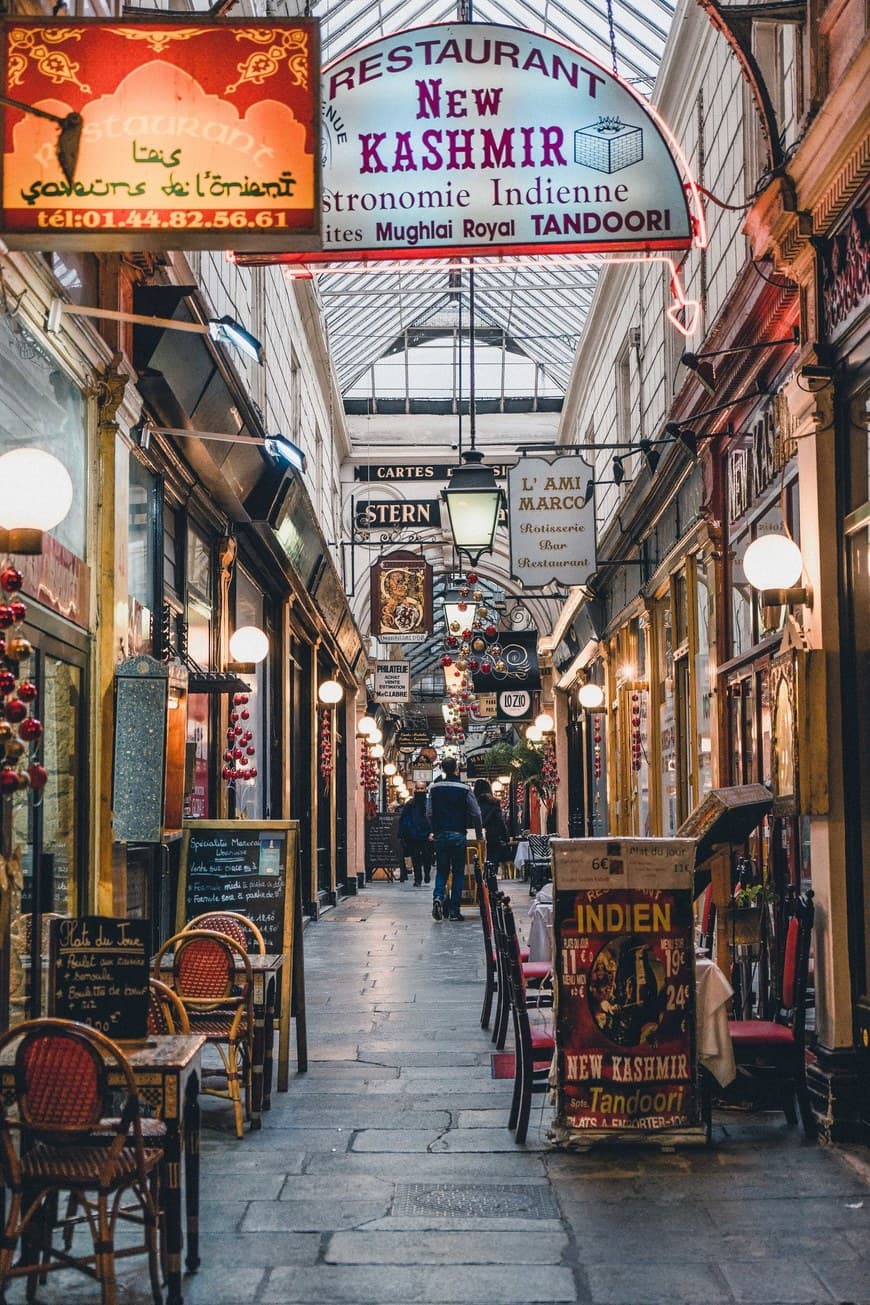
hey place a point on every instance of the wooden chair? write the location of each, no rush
(535, 974)
(773, 1050)
(484, 902)
(211, 974)
(233, 925)
(534, 1044)
(65, 1144)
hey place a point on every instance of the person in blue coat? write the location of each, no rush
(452, 809)
(416, 834)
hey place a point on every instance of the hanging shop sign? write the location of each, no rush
(193, 135)
(401, 597)
(514, 704)
(481, 138)
(552, 520)
(392, 682)
(409, 472)
(514, 666)
(396, 514)
(625, 1031)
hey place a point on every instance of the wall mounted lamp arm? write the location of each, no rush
(68, 140)
(689, 359)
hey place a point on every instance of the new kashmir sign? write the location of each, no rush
(191, 134)
(479, 137)
(552, 520)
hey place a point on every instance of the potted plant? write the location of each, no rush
(743, 915)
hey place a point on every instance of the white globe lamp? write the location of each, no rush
(37, 493)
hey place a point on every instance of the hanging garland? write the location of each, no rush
(596, 747)
(550, 774)
(636, 742)
(326, 746)
(369, 780)
(19, 768)
(240, 754)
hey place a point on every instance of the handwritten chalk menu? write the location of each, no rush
(99, 974)
(243, 866)
(382, 852)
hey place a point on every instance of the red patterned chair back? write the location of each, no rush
(61, 1081)
(204, 967)
(235, 926)
(166, 1013)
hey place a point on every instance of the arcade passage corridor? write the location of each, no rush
(388, 1176)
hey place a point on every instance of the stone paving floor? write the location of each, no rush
(387, 1175)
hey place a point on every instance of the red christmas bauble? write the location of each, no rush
(226, 773)
(15, 710)
(486, 667)
(250, 751)
(30, 730)
(446, 660)
(253, 773)
(472, 577)
(7, 682)
(9, 781)
(27, 691)
(462, 607)
(6, 617)
(228, 756)
(238, 754)
(11, 580)
(18, 610)
(246, 715)
(237, 698)
(37, 776)
(490, 631)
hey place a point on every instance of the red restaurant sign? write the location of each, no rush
(625, 1027)
(196, 135)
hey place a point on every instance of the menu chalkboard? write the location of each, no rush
(382, 850)
(99, 974)
(244, 866)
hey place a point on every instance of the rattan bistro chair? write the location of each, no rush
(234, 925)
(211, 974)
(65, 1144)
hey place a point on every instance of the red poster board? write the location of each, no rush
(194, 135)
(625, 1024)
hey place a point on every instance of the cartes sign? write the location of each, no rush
(552, 520)
(193, 134)
(481, 138)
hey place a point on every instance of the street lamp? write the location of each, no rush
(249, 645)
(473, 504)
(330, 693)
(36, 493)
(591, 697)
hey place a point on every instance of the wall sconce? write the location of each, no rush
(375, 736)
(249, 646)
(653, 457)
(534, 734)
(773, 565)
(330, 693)
(37, 495)
(504, 780)
(376, 751)
(544, 722)
(365, 725)
(591, 697)
(225, 329)
(497, 788)
(704, 370)
(390, 768)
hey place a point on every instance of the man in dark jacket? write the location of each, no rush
(452, 809)
(415, 831)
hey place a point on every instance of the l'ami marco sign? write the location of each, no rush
(193, 134)
(480, 137)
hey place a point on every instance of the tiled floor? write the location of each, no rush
(387, 1176)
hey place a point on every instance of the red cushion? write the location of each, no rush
(542, 1040)
(535, 971)
(759, 1033)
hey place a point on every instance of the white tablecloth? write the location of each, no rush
(522, 854)
(713, 992)
(540, 940)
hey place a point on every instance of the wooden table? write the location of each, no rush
(266, 975)
(167, 1073)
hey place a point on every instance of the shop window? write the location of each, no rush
(40, 405)
(199, 565)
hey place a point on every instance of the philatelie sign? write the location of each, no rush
(478, 137)
(193, 134)
(552, 520)
(392, 682)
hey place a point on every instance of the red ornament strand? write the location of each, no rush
(19, 768)
(325, 747)
(241, 754)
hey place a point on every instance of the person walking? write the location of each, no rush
(452, 809)
(416, 834)
(494, 826)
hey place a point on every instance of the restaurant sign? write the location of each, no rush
(193, 135)
(625, 1032)
(552, 520)
(473, 137)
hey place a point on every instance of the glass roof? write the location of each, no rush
(534, 311)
